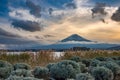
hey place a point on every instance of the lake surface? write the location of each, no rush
(56, 54)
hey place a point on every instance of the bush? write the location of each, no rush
(116, 58)
(86, 62)
(21, 66)
(50, 65)
(5, 69)
(84, 76)
(22, 73)
(102, 73)
(64, 69)
(118, 62)
(30, 78)
(76, 58)
(100, 58)
(83, 68)
(14, 78)
(40, 72)
(21, 78)
(112, 66)
(104, 59)
(94, 63)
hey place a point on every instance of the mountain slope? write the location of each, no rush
(75, 37)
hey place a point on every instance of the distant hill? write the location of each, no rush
(114, 48)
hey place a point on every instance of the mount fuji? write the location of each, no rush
(75, 40)
(75, 37)
(72, 41)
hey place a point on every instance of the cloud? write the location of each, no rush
(34, 9)
(99, 9)
(108, 2)
(71, 5)
(15, 41)
(59, 18)
(7, 34)
(8, 38)
(50, 10)
(49, 35)
(21, 14)
(26, 25)
(116, 16)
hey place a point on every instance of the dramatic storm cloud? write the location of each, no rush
(48, 21)
(26, 25)
(99, 9)
(71, 5)
(116, 15)
(7, 34)
(34, 9)
(11, 40)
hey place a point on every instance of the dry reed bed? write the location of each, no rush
(41, 58)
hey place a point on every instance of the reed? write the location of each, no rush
(42, 58)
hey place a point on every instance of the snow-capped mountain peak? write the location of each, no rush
(75, 37)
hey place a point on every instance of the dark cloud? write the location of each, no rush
(7, 34)
(16, 41)
(48, 36)
(38, 37)
(99, 9)
(71, 5)
(34, 9)
(108, 2)
(116, 15)
(9, 38)
(50, 10)
(57, 3)
(26, 25)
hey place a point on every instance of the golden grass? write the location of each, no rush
(91, 54)
(41, 58)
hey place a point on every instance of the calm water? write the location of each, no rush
(56, 54)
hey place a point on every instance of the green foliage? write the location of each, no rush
(95, 63)
(118, 62)
(76, 58)
(104, 59)
(50, 65)
(14, 78)
(30, 78)
(115, 58)
(83, 67)
(102, 73)
(112, 66)
(22, 72)
(86, 62)
(5, 69)
(64, 69)
(41, 72)
(21, 66)
(84, 76)
(100, 58)
(21, 78)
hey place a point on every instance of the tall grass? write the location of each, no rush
(91, 54)
(41, 58)
(34, 59)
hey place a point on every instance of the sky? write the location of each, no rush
(41, 22)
